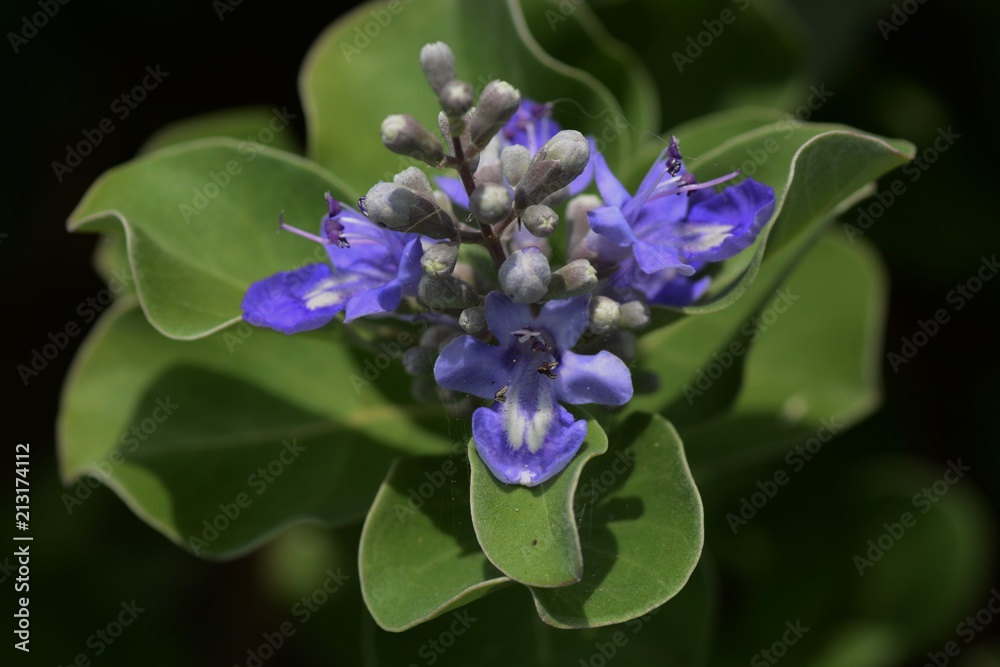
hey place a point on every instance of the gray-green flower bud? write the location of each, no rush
(515, 160)
(498, 102)
(415, 180)
(403, 210)
(472, 320)
(439, 260)
(404, 134)
(576, 278)
(561, 159)
(438, 63)
(456, 97)
(540, 220)
(578, 227)
(490, 202)
(447, 293)
(418, 360)
(525, 275)
(635, 314)
(605, 315)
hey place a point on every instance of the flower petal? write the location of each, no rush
(612, 191)
(379, 299)
(300, 300)
(503, 316)
(558, 434)
(609, 222)
(675, 290)
(657, 257)
(565, 319)
(599, 378)
(726, 223)
(470, 365)
(454, 189)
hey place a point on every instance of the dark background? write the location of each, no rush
(939, 70)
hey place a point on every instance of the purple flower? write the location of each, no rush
(526, 436)
(660, 239)
(373, 268)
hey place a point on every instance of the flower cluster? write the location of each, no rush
(475, 251)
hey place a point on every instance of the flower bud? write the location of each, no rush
(435, 336)
(472, 320)
(515, 159)
(446, 293)
(403, 134)
(576, 278)
(605, 315)
(438, 63)
(416, 180)
(525, 275)
(456, 97)
(577, 224)
(401, 209)
(540, 220)
(561, 159)
(490, 202)
(497, 103)
(439, 260)
(635, 314)
(418, 360)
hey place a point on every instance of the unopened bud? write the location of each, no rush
(605, 315)
(439, 260)
(576, 278)
(414, 179)
(403, 134)
(577, 224)
(446, 293)
(456, 97)
(438, 63)
(635, 314)
(418, 360)
(515, 160)
(540, 220)
(472, 320)
(490, 202)
(561, 159)
(498, 102)
(525, 275)
(403, 210)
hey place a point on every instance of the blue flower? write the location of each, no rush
(373, 268)
(660, 239)
(526, 436)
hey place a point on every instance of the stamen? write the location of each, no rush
(525, 334)
(546, 369)
(333, 205)
(361, 206)
(295, 230)
(333, 230)
(501, 395)
(707, 184)
(674, 159)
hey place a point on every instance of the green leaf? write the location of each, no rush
(239, 396)
(813, 168)
(262, 125)
(641, 526)
(350, 81)
(816, 363)
(112, 265)
(530, 533)
(419, 557)
(200, 223)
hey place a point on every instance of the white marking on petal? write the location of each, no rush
(325, 294)
(527, 426)
(699, 238)
(524, 478)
